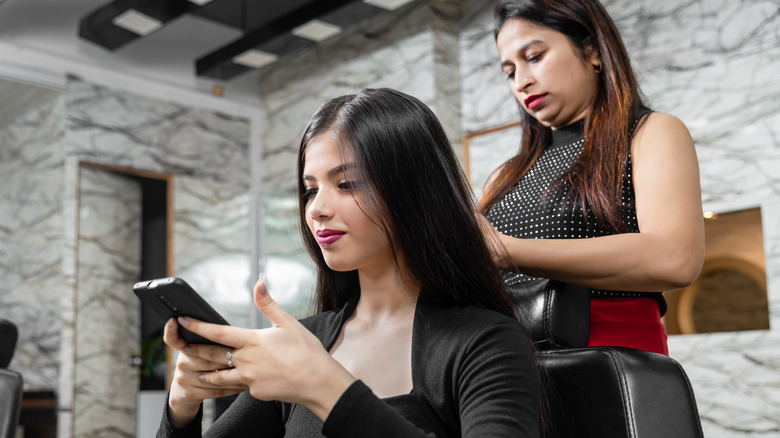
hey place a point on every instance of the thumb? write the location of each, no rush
(267, 306)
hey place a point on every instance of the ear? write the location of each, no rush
(593, 57)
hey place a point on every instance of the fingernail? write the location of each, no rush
(183, 321)
(262, 290)
(202, 378)
(187, 350)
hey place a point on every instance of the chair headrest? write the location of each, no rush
(9, 335)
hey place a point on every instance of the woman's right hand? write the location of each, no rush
(187, 392)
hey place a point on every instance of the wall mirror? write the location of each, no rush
(485, 150)
(730, 293)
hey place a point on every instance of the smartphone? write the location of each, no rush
(171, 297)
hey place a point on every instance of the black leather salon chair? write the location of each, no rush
(613, 392)
(10, 381)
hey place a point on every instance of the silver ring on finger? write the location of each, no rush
(229, 357)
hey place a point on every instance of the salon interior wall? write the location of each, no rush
(714, 64)
(414, 51)
(70, 317)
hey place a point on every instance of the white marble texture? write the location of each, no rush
(107, 323)
(414, 51)
(31, 171)
(206, 153)
(714, 64)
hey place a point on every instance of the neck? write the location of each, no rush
(386, 295)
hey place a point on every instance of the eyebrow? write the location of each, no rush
(522, 49)
(341, 168)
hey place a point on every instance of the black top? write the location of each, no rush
(537, 208)
(473, 375)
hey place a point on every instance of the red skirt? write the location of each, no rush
(627, 322)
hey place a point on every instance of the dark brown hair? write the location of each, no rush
(595, 178)
(415, 190)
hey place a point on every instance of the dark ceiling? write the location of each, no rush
(266, 25)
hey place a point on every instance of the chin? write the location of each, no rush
(339, 265)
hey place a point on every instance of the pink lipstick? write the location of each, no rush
(327, 237)
(534, 100)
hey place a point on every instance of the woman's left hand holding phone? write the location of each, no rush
(285, 362)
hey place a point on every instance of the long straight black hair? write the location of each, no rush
(415, 190)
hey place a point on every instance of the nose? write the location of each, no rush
(522, 80)
(319, 207)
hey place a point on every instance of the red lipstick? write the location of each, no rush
(534, 100)
(327, 237)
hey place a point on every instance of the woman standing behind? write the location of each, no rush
(604, 192)
(415, 335)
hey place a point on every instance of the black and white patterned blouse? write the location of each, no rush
(534, 210)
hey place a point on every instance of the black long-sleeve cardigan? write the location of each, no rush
(473, 374)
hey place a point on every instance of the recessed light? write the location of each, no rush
(137, 22)
(255, 58)
(710, 215)
(390, 5)
(316, 30)
(200, 2)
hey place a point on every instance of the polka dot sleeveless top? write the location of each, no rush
(531, 210)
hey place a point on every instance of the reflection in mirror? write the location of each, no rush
(716, 308)
(287, 269)
(730, 293)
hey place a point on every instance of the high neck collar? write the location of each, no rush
(569, 133)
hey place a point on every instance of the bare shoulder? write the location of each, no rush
(661, 131)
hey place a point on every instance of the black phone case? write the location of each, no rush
(171, 297)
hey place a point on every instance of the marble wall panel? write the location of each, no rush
(713, 64)
(108, 324)
(487, 100)
(395, 53)
(31, 193)
(207, 154)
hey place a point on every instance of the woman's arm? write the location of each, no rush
(668, 251)
(498, 383)
(477, 371)
(287, 362)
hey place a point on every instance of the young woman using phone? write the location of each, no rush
(415, 334)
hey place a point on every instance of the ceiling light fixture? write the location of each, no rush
(255, 58)
(390, 5)
(316, 30)
(273, 39)
(120, 22)
(201, 2)
(137, 22)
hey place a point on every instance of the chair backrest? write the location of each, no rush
(11, 382)
(9, 335)
(10, 402)
(612, 392)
